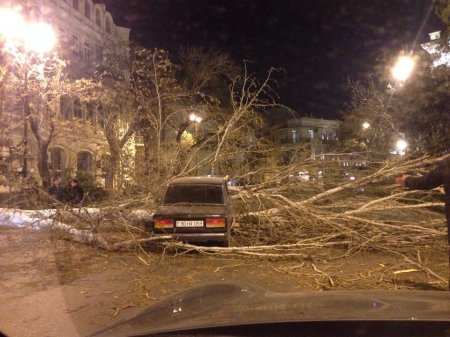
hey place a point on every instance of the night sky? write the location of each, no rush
(319, 44)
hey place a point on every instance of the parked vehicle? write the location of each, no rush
(195, 209)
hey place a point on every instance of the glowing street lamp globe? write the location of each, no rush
(365, 125)
(12, 25)
(39, 37)
(403, 68)
(195, 118)
(401, 146)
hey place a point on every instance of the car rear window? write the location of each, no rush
(194, 194)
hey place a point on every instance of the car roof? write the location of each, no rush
(197, 180)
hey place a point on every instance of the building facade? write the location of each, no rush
(87, 38)
(315, 131)
(441, 55)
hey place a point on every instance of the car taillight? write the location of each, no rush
(164, 223)
(215, 223)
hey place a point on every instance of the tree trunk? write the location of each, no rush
(114, 159)
(43, 163)
(111, 182)
(148, 162)
(42, 146)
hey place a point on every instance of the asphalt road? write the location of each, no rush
(54, 287)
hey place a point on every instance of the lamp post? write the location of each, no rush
(197, 120)
(23, 40)
(401, 71)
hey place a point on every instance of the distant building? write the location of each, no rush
(437, 50)
(87, 37)
(317, 132)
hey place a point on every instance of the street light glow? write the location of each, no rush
(366, 125)
(403, 68)
(12, 25)
(401, 146)
(39, 37)
(194, 118)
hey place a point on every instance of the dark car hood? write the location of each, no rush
(228, 304)
(209, 209)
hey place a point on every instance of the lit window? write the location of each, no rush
(311, 134)
(294, 137)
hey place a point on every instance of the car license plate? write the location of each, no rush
(189, 223)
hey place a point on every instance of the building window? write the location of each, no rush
(100, 116)
(62, 35)
(56, 159)
(66, 106)
(76, 43)
(87, 53)
(105, 164)
(77, 112)
(108, 25)
(76, 4)
(87, 9)
(294, 137)
(311, 134)
(98, 53)
(98, 20)
(84, 161)
(90, 113)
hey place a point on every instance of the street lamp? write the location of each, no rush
(194, 118)
(401, 146)
(403, 68)
(24, 40)
(197, 120)
(365, 125)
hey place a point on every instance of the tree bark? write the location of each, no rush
(43, 145)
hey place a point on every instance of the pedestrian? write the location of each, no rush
(439, 176)
(56, 191)
(76, 193)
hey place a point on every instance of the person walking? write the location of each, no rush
(56, 191)
(439, 176)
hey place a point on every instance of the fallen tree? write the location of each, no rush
(284, 218)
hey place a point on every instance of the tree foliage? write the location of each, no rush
(425, 110)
